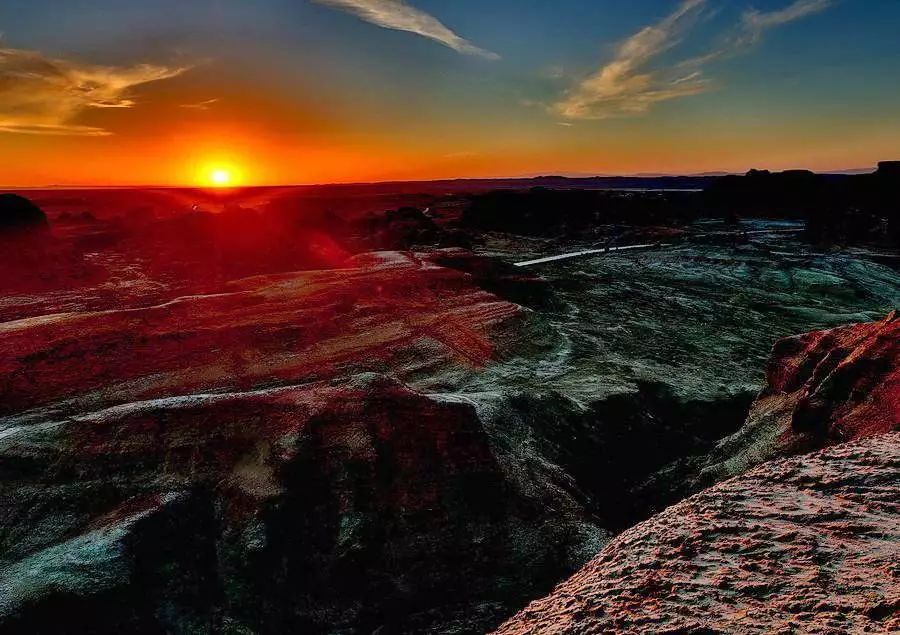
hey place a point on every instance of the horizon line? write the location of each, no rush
(569, 176)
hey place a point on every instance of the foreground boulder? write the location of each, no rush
(807, 543)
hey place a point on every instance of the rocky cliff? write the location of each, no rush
(807, 544)
(804, 543)
(821, 388)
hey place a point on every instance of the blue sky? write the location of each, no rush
(478, 88)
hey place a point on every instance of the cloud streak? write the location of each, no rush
(202, 105)
(400, 16)
(756, 23)
(625, 86)
(630, 84)
(40, 95)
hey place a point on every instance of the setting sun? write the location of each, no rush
(220, 174)
(217, 170)
(220, 177)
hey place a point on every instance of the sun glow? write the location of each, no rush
(209, 165)
(220, 177)
(218, 173)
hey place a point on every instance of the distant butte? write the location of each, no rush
(17, 214)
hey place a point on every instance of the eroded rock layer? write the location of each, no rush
(252, 461)
(836, 385)
(805, 544)
(384, 311)
(822, 388)
(326, 508)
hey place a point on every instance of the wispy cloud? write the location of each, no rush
(202, 105)
(626, 86)
(753, 26)
(400, 16)
(630, 85)
(755, 23)
(40, 95)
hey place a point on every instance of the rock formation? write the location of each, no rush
(248, 460)
(821, 388)
(805, 544)
(387, 310)
(223, 421)
(18, 214)
(321, 508)
(837, 208)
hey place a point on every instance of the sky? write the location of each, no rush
(127, 92)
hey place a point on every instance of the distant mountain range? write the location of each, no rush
(640, 181)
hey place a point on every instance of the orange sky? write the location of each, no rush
(187, 154)
(115, 94)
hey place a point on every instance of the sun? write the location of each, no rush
(220, 177)
(218, 172)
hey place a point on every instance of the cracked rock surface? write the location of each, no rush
(807, 544)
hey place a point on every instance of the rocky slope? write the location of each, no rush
(251, 460)
(821, 388)
(807, 544)
(322, 508)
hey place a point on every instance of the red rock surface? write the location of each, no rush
(836, 385)
(251, 459)
(390, 311)
(821, 388)
(807, 544)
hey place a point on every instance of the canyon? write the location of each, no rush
(347, 411)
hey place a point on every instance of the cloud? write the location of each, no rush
(203, 105)
(755, 23)
(626, 86)
(40, 95)
(753, 26)
(399, 16)
(52, 130)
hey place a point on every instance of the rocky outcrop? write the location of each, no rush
(322, 508)
(18, 214)
(250, 460)
(821, 388)
(835, 385)
(804, 544)
(839, 209)
(889, 169)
